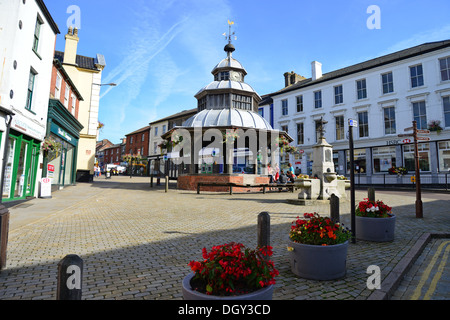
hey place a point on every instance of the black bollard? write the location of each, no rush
(70, 274)
(371, 194)
(263, 229)
(334, 208)
(4, 228)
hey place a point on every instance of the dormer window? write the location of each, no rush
(224, 75)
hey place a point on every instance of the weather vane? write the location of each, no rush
(228, 37)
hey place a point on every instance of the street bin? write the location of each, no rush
(4, 228)
(108, 174)
(83, 176)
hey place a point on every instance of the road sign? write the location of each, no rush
(407, 141)
(423, 138)
(423, 131)
(352, 123)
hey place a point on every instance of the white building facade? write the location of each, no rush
(385, 95)
(27, 43)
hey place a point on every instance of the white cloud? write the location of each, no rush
(442, 33)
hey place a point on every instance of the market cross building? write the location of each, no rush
(226, 140)
(384, 95)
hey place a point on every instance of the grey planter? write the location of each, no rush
(319, 262)
(375, 229)
(265, 293)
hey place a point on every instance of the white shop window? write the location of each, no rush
(444, 156)
(383, 159)
(424, 157)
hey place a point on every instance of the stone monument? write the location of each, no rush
(323, 181)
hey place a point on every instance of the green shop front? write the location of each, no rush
(63, 133)
(21, 166)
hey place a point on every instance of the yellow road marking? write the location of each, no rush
(428, 270)
(438, 275)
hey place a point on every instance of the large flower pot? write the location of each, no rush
(265, 293)
(375, 229)
(319, 262)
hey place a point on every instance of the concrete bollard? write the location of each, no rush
(334, 208)
(70, 275)
(263, 229)
(167, 184)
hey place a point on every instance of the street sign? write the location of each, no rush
(423, 131)
(301, 151)
(406, 135)
(423, 138)
(352, 123)
(409, 129)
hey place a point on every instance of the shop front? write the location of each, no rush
(63, 131)
(21, 166)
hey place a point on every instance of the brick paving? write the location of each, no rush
(136, 241)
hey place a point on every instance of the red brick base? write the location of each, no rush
(189, 182)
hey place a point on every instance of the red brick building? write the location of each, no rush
(63, 89)
(113, 154)
(137, 142)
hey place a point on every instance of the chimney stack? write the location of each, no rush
(316, 68)
(70, 51)
(291, 78)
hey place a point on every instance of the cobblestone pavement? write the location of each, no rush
(136, 241)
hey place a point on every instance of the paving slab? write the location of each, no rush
(136, 241)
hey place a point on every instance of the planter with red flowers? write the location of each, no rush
(231, 272)
(374, 221)
(318, 248)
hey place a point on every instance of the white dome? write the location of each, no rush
(227, 84)
(229, 62)
(228, 118)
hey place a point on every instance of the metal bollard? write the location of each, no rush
(371, 194)
(263, 229)
(4, 228)
(334, 208)
(167, 184)
(70, 274)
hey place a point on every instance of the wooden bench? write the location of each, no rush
(288, 186)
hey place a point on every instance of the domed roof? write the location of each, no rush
(227, 84)
(227, 63)
(228, 118)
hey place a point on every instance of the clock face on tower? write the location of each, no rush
(235, 76)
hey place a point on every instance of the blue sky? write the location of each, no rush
(161, 53)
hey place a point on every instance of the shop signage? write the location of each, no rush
(63, 134)
(50, 170)
(407, 141)
(46, 188)
(392, 142)
(28, 127)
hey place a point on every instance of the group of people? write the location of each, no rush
(277, 176)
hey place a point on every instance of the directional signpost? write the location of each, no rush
(419, 206)
(352, 123)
